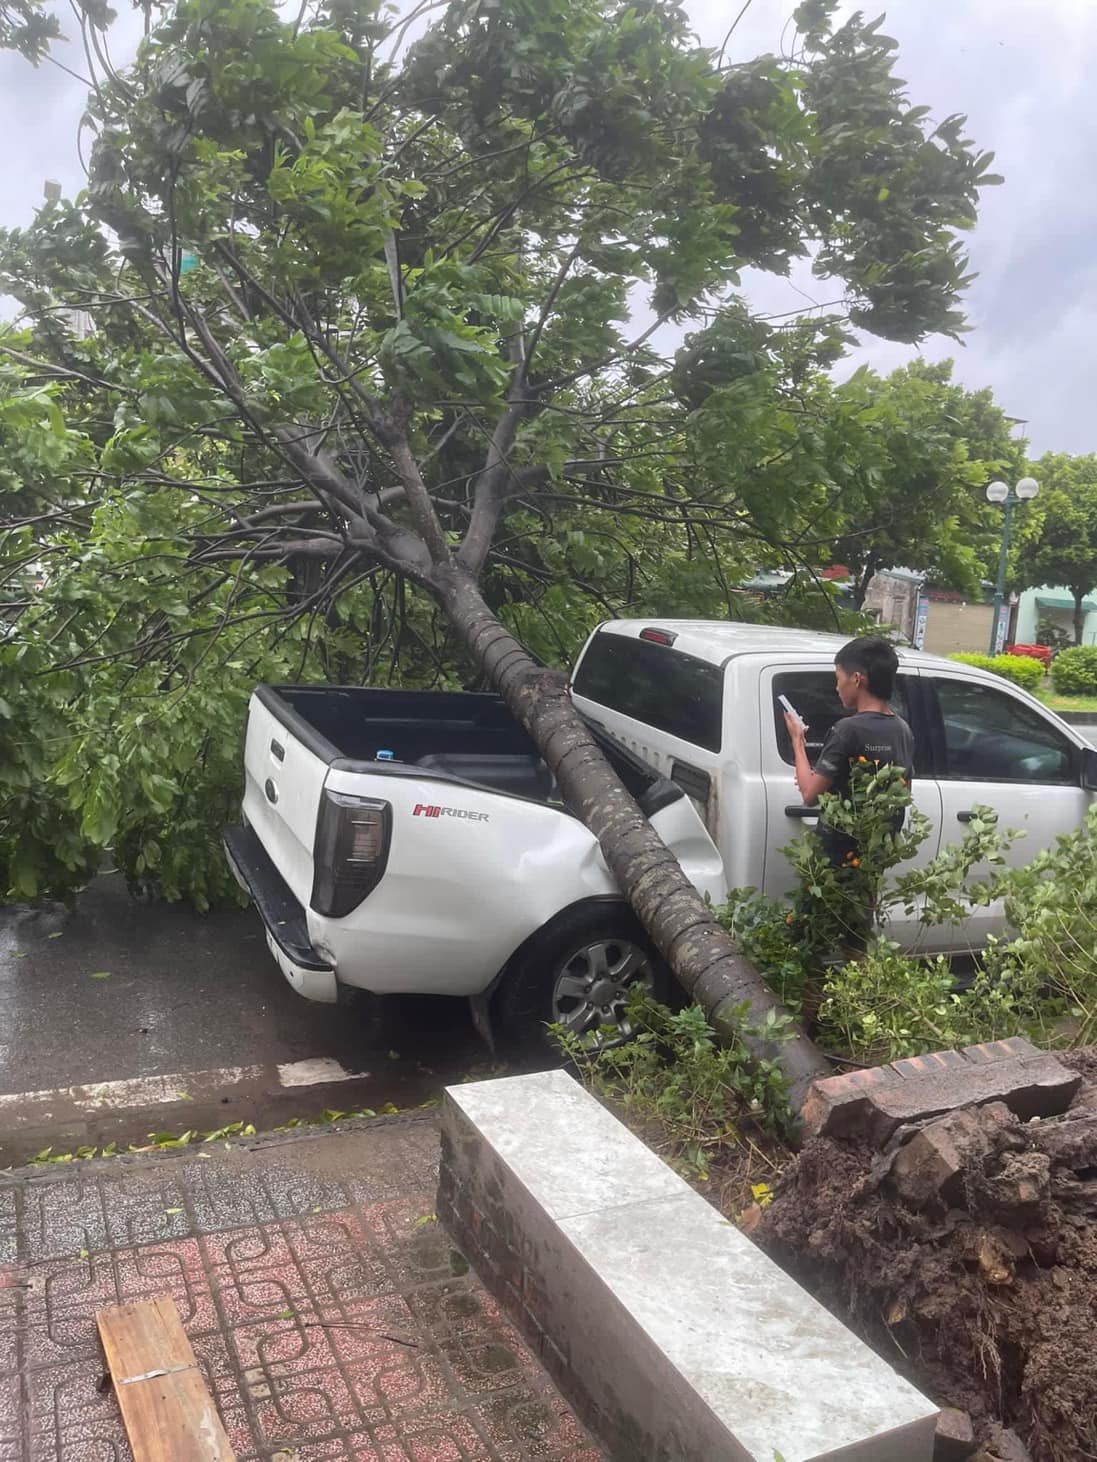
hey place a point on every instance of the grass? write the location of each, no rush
(1068, 702)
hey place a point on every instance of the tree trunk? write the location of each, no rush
(1079, 617)
(861, 583)
(704, 958)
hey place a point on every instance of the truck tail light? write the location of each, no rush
(350, 851)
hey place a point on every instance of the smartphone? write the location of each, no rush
(791, 709)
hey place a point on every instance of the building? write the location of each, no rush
(1057, 605)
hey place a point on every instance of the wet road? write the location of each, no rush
(120, 992)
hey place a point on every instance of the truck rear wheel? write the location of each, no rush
(579, 974)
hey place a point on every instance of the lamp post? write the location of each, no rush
(1009, 497)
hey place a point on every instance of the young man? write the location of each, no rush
(865, 672)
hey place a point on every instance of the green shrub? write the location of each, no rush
(679, 1074)
(1021, 669)
(1074, 671)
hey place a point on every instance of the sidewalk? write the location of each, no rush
(332, 1315)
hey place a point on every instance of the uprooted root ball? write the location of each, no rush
(968, 1257)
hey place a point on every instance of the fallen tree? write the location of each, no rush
(364, 304)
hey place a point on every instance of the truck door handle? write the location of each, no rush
(801, 811)
(965, 816)
(271, 790)
(278, 751)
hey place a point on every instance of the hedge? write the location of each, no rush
(1020, 669)
(1074, 671)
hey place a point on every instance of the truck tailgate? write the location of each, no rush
(282, 785)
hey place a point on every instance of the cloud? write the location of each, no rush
(1022, 73)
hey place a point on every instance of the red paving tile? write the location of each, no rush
(325, 1330)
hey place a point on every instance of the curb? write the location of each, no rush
(224, 1149)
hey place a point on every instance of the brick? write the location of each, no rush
(872, 1104)
(843, 1106)
(930, 1167)
(990, 1051)
(955, 1439)
(914, 1067)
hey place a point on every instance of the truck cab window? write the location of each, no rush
(991, 737)
(654, 684)
(813, 694)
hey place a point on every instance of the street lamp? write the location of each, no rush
(1009, 497)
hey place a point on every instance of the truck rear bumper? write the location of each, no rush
(282, 914)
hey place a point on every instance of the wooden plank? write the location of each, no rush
(168, 1412)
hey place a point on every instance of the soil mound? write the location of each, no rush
(966, 1252)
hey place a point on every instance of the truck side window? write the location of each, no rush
(813, 694)
(990, 737)
(656, 685)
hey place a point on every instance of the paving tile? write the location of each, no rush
(532, 1421)
(491, 1358)
(60, 1300)
(293, 1194)
(393, 1380)
(176, 1269)
(62, 1217)
(340, 1258)
(454, 1306)
(357, 1329)
(416, 1247)
(144, 1207)
(298, 1408)
(10, 1425)
(218, 1202)
(8, 1226)
(260, 1294)
(256, 1249)
(331, 1323)
(438, 1436)
(71, 1420)
(281, 1346)
(11, 1305)
(218, 1362)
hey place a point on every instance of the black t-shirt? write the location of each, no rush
(878, 737)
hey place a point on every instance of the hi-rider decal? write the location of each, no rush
(423, 809)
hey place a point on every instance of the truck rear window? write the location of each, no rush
(655, 684)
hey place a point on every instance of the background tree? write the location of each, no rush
(1056, 540)
(913, 490)
(410, 318)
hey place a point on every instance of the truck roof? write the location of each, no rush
(717, 641)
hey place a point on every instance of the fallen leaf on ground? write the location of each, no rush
(750, 1218)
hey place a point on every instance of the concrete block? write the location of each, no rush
(872, 1104)
(675, 1337)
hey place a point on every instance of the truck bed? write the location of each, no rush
(450, 735)
(461, 735)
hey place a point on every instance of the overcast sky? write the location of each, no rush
(1020, 69)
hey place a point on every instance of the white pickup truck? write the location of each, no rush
(403, 841)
